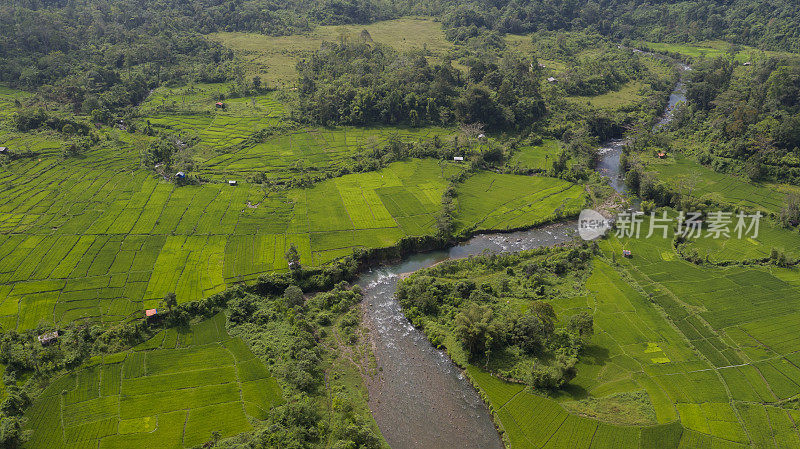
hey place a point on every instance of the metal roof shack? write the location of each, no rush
(180, 174)
(4, 150)
(150, 313)
(626, 253)
(47, 338)
(232, 182)
(458, 158)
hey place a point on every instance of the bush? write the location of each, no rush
(293, 296)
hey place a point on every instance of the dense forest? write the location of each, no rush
(753, 115)
(526, 340)
(356, 83)
(94, 54)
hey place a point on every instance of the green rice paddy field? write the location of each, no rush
(101, 237)
(739, 324)
(169, 392)
(713, 49)
(222, 151)
(488, 201)
(691, 178)
(537, 157)
(715, 349)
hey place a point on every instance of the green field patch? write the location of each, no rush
(157, 397)
(537, 157)
(690, 178)
(627, 95)
(726, 313)
(712, 49)
(499, 201)
(274, 58)
(106, 244)
(529, 420)
(137, 425)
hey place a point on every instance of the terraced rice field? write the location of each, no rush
(309, 150)
(171, 391)
(104, 242)
(714, 348)
(504, 202)
(736, 359)
(101, 238)
(770, 236)
(222, 151)
(532, 421)
(709, 389)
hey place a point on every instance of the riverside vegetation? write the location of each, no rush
(236, 164)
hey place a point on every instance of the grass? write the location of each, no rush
(100, 238)
(626, 95)
(537, 157)
(505, 202)
(737, 321)
(682, 355)
(713, 49)
(690, 178)
(274, 58)
(157, 395)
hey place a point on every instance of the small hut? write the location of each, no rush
(626, 253)
(48, 338)
(552, 80)
(220, 105)
(232, 182)
(149, 313)
(180, 174)
(747, 64)
(459, 158)
(662, 155)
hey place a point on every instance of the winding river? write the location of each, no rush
(419, 397)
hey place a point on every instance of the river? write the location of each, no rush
(419, 397)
